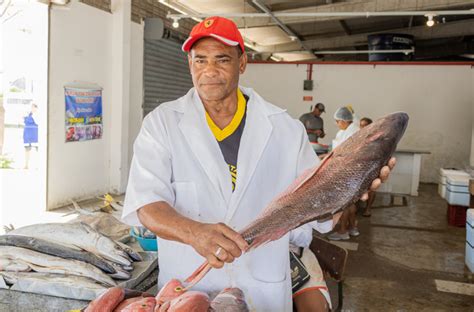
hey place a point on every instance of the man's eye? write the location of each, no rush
(199, 61)
(222, 61)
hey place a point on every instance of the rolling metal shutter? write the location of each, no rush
(166, 74)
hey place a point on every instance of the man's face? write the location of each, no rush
(215, 68)
(316, 111)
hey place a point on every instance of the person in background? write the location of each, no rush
(355, 118)
(314, 294)
(30, 133)
(347, 223)
(313, 123)
(364, 122)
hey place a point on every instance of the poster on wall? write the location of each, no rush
(83, 113)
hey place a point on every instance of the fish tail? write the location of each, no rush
(197, 275)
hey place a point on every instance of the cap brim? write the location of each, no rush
(191, 40)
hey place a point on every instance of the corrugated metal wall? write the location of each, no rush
(166, 74)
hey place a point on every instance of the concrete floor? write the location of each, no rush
(401, 252)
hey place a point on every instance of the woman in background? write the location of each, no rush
(347, 223)
(30, 133)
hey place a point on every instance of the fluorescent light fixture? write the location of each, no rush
(169, 5)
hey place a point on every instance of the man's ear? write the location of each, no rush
(242, 63)
(190, 61)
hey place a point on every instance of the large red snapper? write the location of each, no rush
(339, 181)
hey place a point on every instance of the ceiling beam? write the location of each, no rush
(357, 6)
(346, 28)
(452, 29)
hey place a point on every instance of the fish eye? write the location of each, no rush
(178, 289)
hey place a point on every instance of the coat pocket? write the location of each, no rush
(186, 200)
(270, 263)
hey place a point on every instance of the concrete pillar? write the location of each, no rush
(120, 99)
(472, 118)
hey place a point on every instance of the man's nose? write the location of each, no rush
(211, 69)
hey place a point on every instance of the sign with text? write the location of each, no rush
(83, 114)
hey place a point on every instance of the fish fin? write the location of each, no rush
(308, 174)
(299, 181)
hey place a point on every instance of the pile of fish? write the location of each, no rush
(339, 181)
(64, 251)
(171, 298)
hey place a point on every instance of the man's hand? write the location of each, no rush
(218, 243)
(384, 173)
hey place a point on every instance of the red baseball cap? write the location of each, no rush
(218, 28)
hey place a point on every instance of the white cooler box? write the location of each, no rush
(443, 174)
(470, 239)
(457, 190)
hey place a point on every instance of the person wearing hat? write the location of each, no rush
(313, 123)
(347, 223)
(208, 163)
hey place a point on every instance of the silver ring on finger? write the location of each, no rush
(218, 251)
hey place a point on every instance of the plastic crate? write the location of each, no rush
(444, 174)
(470, 240)
(457, 215)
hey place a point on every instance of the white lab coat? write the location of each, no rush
(343, 135)
(178, 160)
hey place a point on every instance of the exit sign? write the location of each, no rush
(307, 98)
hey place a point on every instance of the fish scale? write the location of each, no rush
(339, 181)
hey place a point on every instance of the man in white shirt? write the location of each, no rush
(208, 163)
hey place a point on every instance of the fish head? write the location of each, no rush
(118, 256)
(230, 299)
(143, 305)
(190, 301)
(379, 139)
(171, 290)
(232, 291)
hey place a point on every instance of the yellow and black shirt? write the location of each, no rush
(229, 137)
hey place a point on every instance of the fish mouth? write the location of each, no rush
(120, 257)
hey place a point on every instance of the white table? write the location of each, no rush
(405, 177)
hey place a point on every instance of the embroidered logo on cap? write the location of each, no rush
(208, 23)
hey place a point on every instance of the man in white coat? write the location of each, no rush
(207, 164)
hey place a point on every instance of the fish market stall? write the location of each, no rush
(11, 300)
(62, 266)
